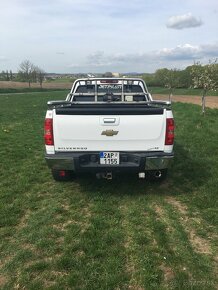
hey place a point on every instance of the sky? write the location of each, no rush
(96, 36)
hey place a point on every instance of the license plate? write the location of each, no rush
(109, 158)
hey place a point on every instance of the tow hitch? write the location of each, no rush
(105, 175)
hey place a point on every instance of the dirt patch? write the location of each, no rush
(160, 212)
(23, 221)
(181, 207)
(199, 244)
(161, 215)
(211, 101)
(134, 287)
(21, 85)
(82, 224)
(167, 272)
(3, 280)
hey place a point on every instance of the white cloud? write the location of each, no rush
(102, 35)
(183, 21)
(188, 52)
(99, 59)
(177, 56)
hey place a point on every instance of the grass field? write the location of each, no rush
(98, 234)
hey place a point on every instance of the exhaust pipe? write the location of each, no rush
(158, 174)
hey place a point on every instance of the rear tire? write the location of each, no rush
(62, 175)
(153, 175)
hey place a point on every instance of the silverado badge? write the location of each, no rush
(109, 133)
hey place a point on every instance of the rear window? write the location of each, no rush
(86, 89)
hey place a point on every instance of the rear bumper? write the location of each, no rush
(129, 161)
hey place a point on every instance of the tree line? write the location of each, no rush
(175, 78)
(27, 72)
(7, 75)
(199, 76)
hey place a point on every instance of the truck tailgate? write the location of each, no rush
(109, 128)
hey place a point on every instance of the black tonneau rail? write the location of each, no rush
(109, 109)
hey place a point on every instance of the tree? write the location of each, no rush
(7, 76)
(182, 78)
(34, 74)
(205, 77)
(30, 73)
(168, 78)
(25, 71)
(149, 79)
(108, 75)
(40, 75)
(172, 81)
(160, 76)
(3, 76)
(11, 75)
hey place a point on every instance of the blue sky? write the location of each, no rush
(107, 35)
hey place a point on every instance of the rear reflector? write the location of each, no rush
(169, 139)
(48, 132)
(62, 173)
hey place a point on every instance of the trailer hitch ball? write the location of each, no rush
(109, 175)
(106, 175)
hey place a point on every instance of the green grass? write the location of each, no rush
(97, 234)
(181, 91)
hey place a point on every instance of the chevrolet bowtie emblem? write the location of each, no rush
(109, 132)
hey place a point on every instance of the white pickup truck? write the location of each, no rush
(109, 125)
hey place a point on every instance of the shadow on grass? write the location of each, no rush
(184, 177)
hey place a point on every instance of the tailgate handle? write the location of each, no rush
(109, 120)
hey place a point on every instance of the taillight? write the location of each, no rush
(48, 132)
(169, 139)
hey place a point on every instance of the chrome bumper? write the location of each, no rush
(153, 163)
(138, 161)
(60, 162)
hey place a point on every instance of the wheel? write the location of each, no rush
(62, 175)
(157, 175)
